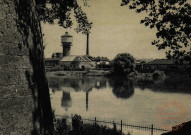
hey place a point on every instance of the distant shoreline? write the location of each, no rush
(135, 76)
(79, 73)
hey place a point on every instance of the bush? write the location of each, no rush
(61, 127)
(158, 75)
(77, 124)
(78, 128)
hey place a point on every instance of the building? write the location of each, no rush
(65, 61)
(51, 62)
(160, 64)
(163, 64)
(76, 62)
(101, 62)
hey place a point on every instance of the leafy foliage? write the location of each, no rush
(50, 10)
(84, 25)
(172, 19)
(56, 9)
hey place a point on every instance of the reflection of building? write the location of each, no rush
(66, 100)
(78, 84)
(65, 61)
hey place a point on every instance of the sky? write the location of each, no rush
(115, 30)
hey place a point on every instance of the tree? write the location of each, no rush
(123, 63)
(172, 19)
(61, 10)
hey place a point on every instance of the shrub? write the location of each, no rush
(77, 124)
(158, 75)
(61, 127)
(78, 128)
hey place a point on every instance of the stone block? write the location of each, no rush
(2, 14)
(3, 25)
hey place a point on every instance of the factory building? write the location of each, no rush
(66, 61)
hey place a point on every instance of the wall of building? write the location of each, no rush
(90, 65)
(66, 50)
(68, 65)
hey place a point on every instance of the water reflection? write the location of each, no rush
(116, 98)
(66, 101)
(78, 84)
(87, 94)
(122, 87)
(175, 86)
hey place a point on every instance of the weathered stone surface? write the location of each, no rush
(16, 99)
(23, 86)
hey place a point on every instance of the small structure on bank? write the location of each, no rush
(65, 61)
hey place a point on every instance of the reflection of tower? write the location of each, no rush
(66, 40)
(66, 101)
(87, 101)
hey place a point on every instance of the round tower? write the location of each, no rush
(66, 40)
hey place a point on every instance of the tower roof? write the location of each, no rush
(66, 35)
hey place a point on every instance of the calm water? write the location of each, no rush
(120, 99)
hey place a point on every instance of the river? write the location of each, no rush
(115, 99)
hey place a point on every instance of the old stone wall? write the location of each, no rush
(20, 58)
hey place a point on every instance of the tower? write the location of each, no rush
(66, 40)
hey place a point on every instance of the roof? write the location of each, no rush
(100, 59)
(161, 62)
(75, 58)
(52, 59)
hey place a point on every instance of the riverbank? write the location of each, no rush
(149, 77)
(79, 73)
(156, 76)
(161, 81)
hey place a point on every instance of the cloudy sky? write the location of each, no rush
(115, 30)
